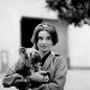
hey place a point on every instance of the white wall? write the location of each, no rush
(9, 29)
(79, 45)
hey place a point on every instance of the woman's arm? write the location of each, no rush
(59, 79)
(10, 75)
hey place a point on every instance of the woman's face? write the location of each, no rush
(44, 41)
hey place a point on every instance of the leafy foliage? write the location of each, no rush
(72, 11)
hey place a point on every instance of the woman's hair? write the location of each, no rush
(45, 27)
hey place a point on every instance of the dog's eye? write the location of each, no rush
(35, 53)
(30, 54)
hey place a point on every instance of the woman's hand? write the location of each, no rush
(35, 77)
(39, 76)
(45, 75)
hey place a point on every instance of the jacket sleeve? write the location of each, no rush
(59, 79)
(10, 74)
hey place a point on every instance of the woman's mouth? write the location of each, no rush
(44, 47)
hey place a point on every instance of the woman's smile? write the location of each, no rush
(44, 46)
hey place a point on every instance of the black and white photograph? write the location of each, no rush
(44, 45)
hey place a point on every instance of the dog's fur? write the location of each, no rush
(30, 62)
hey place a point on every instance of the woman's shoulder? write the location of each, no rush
(58, 57)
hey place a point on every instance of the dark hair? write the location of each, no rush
(45, 27)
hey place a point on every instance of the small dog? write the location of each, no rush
(30, 62)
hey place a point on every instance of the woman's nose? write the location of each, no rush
(44, 41)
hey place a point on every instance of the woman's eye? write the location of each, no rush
(40, 38)
(48, 38)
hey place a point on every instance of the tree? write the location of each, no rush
(71, 11)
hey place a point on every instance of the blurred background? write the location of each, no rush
(18, 19)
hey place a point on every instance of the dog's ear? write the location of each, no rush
(22, 50)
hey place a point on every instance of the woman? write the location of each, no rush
(44, 37)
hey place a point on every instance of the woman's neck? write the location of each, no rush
(42, 54)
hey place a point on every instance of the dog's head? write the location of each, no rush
(30, 54)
